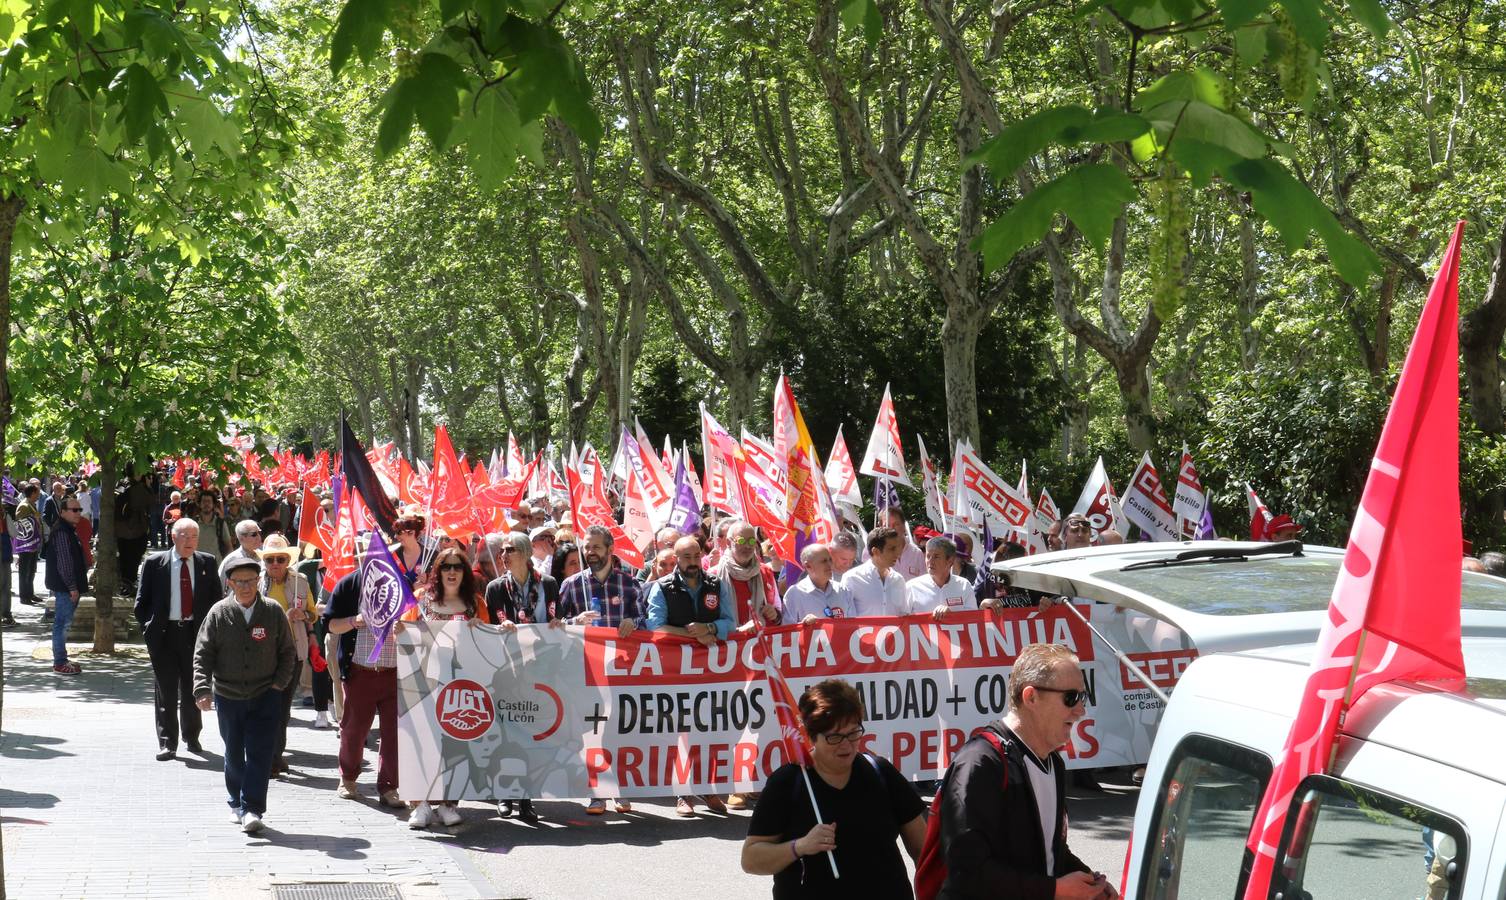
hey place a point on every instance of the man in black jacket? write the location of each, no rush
(1016, 845)
(170, 617)
(66, 577)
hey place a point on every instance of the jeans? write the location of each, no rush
(249, 730)
(27, 564)
(61, 619)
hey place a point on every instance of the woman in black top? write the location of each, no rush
(864, 802)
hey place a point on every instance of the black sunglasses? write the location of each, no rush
(1070, 696)
(73, 509)
(452, 567)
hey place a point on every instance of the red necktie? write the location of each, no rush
(185, 590)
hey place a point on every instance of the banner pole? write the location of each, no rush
(1119, 654)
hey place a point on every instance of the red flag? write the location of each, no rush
(180, 476)
(1394, 613)
(588, 506)
(350, 518)
(314, 526)
(1260, 515)
(450, 495)
(797, 744)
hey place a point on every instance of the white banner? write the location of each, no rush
(577, 712)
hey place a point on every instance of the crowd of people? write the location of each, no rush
(236, 619)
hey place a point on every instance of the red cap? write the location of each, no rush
(1279, 522)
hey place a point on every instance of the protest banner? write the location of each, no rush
(579, 712)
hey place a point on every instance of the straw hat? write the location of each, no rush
(277, 545)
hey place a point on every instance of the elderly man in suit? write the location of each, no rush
(176, 590)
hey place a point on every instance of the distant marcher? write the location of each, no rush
(844, 553)
(878, 589)
(290, 591)
(66, 578)
(133, 504)
(865, 804)
(29, 531)
(1014, 843)
(941, 590)
(248, 535)
(178, 587)
(243, 661)
(818, 595)
(566, 561)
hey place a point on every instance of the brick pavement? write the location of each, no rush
(89, 812)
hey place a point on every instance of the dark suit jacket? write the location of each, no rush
(154, 591)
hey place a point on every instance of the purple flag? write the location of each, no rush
(1205, 527)
(685, 517)
(27, 538)
(8, 492)
(385, 594)
(885, 496)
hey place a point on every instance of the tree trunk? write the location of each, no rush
(10, 211)
(1480, 333)
(959, 354)
(1249, 303)
(106, 553)
(1134, 392)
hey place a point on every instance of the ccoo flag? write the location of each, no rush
(385, 594)
(1191, 501)
(1394, 613)
(885, 457)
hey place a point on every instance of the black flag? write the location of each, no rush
(358, 475)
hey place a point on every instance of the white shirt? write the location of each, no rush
(1043, 784)
(912, 561)
(804, 598)
(924, 594)
(174, 581)
(873, 595)
(541, 567)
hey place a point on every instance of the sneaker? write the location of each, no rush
(683, 807)
(237, 817)
(390, 798)
(322, 722)
(419, 818)
(251, 823)
(525, 811)
(67, 669)
(7, 621)
(449, 816)
(737, 801)
(623, 806)
(597, 807)
(715, 803)
(349, 790)
(308, 702)
(505, 808)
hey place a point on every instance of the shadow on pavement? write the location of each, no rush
(565, 824)
(15, 745)
(24, 800)
(329, 845)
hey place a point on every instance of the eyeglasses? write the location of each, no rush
(507, 550)
(838, 737)
(1070, 696)
(745, 541)
(276, 560)
(1078, 526)
(452, 567)
(73, 509)
(243, 582)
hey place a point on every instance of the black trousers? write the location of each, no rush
(287, 716)
(27, 563)
(130, 552)
(172, 686)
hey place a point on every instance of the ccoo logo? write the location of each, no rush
(381, 593)
(464, 709)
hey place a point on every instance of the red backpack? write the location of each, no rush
(930, 869)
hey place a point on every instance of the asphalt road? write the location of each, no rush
(571, 855)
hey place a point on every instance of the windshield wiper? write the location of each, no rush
(1219, 555)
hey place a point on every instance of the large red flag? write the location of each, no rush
(314, 525)
(450, 494)
(588, 506)
(1394, 613)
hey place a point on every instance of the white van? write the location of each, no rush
(1418, 793)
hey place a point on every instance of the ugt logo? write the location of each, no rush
(464, 709)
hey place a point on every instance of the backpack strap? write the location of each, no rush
(998, 743)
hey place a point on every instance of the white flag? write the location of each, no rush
(991, 498)
(1191, 500)
(931, 487)
(1100, 504)
(841, 478)
(885, 457)
(1145, 503)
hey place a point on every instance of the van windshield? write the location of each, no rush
(1269, 585)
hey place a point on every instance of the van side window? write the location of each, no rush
(1202, 818)
(1342, 840)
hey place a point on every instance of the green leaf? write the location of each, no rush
(1240, 12)
(864, 16)
(397, 117)
(449, 9)
(359, 28)
(1249, 43)
(1308, 20)
(1198, 84)
(1372, 15)
(1006, 151)
(492, 144)
(144, 101)
(91, 174)
(205, 128)
(1108, 126)
(1201, 160)
(84, 14)
(1200, 122)
(1092, 196)
(436, 86)
(1295, 211)
(531, 142)
(154, 31)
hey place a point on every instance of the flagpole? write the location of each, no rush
(811, 792)
(1128, 663)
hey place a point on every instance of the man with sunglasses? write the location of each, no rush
(1003, 801)
(66, 577)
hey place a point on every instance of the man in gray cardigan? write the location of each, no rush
(245, 649)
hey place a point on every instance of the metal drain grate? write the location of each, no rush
(336, 891)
